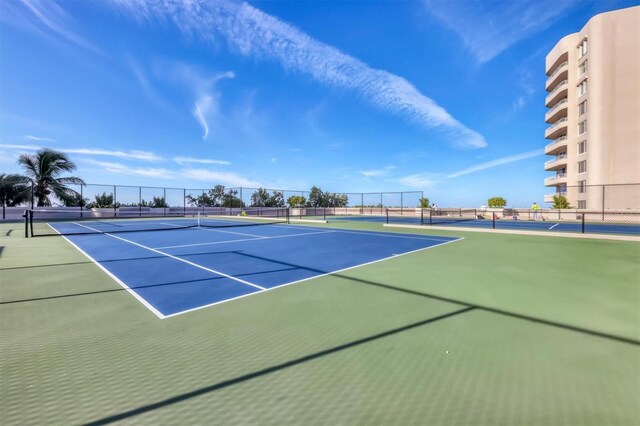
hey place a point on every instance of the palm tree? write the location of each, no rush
(43, 169)
(14, 190)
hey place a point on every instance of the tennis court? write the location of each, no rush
(216, 264)
(338, 323)
(546, 224)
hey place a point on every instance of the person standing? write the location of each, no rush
(535, 209)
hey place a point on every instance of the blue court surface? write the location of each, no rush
(183, 270)
(547, 225)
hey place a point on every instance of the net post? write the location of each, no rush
(81, 200)
(26, 223)
(115, 202)
(140, 201)
(31, 221)
(421, 216)
(493, 220)
(324, 213)
(387, 214)
(287, 214)
(583, 222)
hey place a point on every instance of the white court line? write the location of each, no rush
(204, 228)
(394, 256)
(554, 226)
(245, 239)
(179, 259)
(115, 278)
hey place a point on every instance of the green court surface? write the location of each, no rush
(492, 329)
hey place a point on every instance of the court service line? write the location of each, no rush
(394, 256)
(242, 240)
(179, 259)
(115, 278)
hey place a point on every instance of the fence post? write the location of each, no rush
(421, 216)
(32, 195)
(430, 216)
(115, 202)
(26, 223)
(81, 199)
(401, 202)
(140, 201)
(603, 187)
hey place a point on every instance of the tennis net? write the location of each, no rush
(418, 216)
(39, 222)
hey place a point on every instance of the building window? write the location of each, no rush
(582, 88)
(582, 166)
(582, 108)
(582, 48)
(582, 204)
(582, 147)
(582, 186)
(582, 68)
(582, 127)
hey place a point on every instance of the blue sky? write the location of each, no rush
(441, 96)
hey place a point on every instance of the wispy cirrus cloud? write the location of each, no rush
(187, 160)
(489, 28)
(38, 138)
(197, 174)
(251, 32)
(21, 147)
(45, 18)
(429, 179)
(207, 97)
(377, 173)
(495, 163)
(135, 171)
(129, 155)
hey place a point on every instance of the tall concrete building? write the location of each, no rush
(593, 85)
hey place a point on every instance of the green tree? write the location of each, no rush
(424, 203)
(260, 198)
(296, 201)
(230, 199)
(496, 202)
(14, 190)
(102, 201)
(316, 197)
(43, 169)
(156, 202)
(560, 202)
(76, 201)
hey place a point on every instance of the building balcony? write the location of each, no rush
(560, 74)
(557, 129)
(558, 111)
(557, 163)
(557, 179)
(559, 92)
(556, 146)
(548, 198)
(562, 57)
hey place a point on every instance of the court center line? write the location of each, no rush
(178, 259)
(242, 240)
